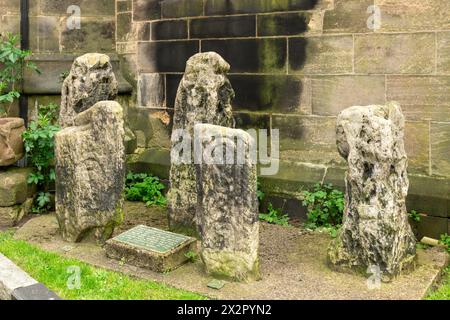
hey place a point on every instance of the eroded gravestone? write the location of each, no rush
(375, 231)
(204, 96)
(91, 79)
(90, 173)
(227, 210)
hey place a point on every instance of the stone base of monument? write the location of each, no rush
(151, 248)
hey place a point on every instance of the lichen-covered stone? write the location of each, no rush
(375, 229)
(204, 96)
(90, 173)
(11, 143)
(227, 209)
(90, 80)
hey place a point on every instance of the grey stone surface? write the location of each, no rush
(90, 173)
(34, 292)
(204, 96)
(11, 278)
(375, 229)
(227, 210)
(91, 80)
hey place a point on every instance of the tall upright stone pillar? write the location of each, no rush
(90, 80)
(90, 173)
(227, 209)
(90, 152)
(204, 96)
(375, 231)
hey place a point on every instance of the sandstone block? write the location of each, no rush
(204, 96)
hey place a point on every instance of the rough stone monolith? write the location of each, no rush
(204, 96)
(227, 210)
(91, 79)
(375, 231)
(90, 173)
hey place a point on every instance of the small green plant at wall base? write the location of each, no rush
(413, 215)
(42, 203)
(39, 141)
(445, 240)
(145, 188)
(325, 206)
(259, 194)
(274, 216)
(12, 62)
(191, 256)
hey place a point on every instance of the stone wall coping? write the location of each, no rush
(11, 278)
(16, 284)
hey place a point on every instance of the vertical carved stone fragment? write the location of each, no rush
(375, 230)
(90, 173)
(227, 209)
(204, 96)
(90, 80)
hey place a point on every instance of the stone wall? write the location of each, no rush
(295, 66)
(55, 46)
(48, 25)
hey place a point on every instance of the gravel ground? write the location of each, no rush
(293, 264)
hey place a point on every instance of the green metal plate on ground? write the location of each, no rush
(152, 239)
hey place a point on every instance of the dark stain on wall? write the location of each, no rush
(253, 36)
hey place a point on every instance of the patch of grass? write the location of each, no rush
(443, 292)
(95, 283)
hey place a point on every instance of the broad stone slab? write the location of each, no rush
(91, 80)
(421, 97)
(151, 248)
(11, 216)
(413, 15)
(375, 232)
(90, 173)
(227, 210)
(321, 55)
(204, 96)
